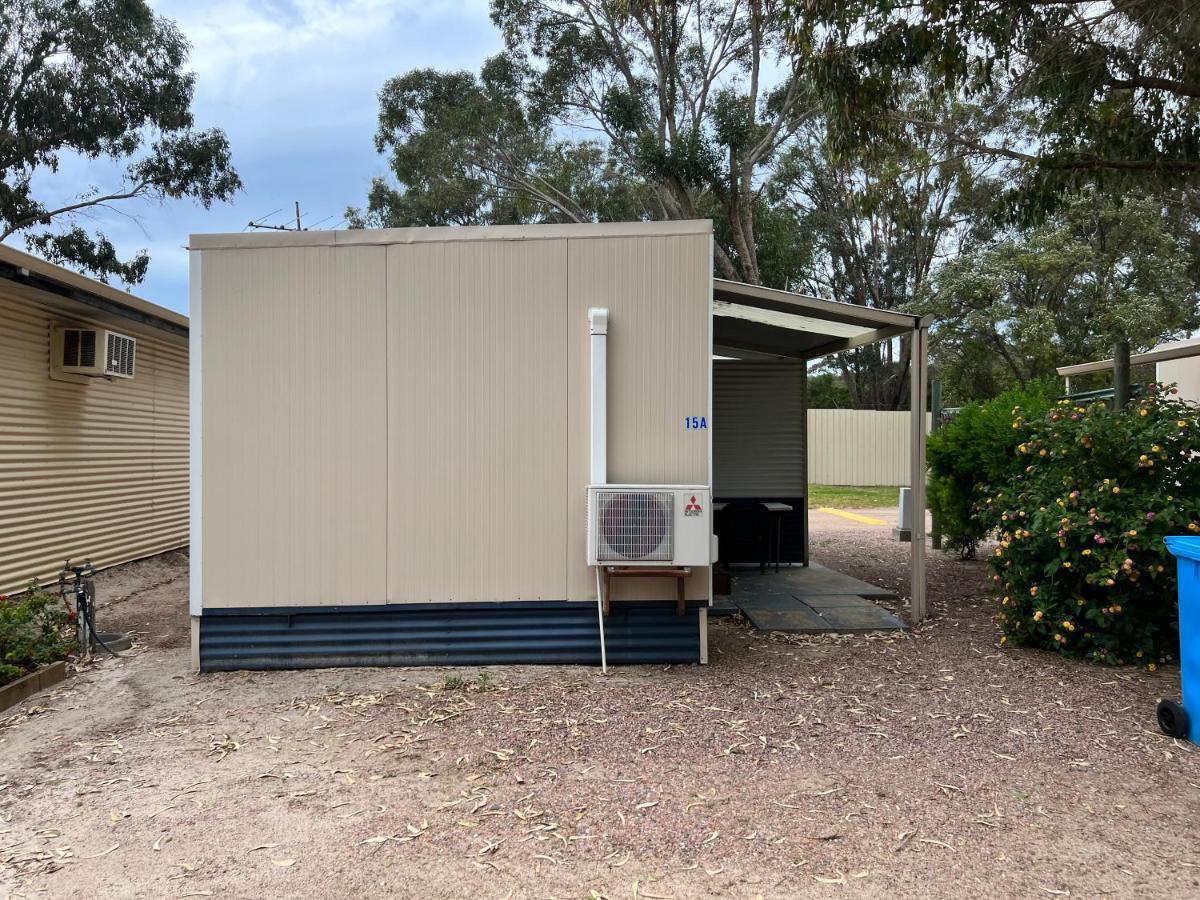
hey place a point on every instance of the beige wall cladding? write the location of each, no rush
(294, 432)
(477, 488)
(758, 429)
(91, 467)
(1184, 374)
(403, 416)
(657, 291)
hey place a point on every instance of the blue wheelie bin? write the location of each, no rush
(1182, 720)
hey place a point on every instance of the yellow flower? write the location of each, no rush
(1152, 667)
(1087, 552)
(1033, 591)
(1037, 616)
(1067, 564)
(1143, 412)
(1132, 532)
(1116, 490)
(1181, 423)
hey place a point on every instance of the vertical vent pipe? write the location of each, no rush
(598, 326)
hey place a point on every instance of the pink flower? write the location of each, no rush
(1150, 516)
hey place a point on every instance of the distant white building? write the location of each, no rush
(1183, 371)
(1176, 363)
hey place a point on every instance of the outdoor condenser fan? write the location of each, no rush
(636, 525)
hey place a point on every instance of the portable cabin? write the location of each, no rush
(479, 445)
(93, 423)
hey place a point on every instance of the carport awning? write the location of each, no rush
(751, 319)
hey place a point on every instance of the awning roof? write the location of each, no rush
(1163, 353)
(752, 319)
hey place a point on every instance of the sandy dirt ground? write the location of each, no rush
(930, 764)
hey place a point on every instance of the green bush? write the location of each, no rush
(976, 448)
(33, 632)
(1081, 565)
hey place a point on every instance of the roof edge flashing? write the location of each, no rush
(449, 233)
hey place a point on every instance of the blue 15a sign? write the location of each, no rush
(693, 423)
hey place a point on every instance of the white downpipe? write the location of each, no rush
(598, 328)
(598, 325)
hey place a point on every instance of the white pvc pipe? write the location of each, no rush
(600, 615)
(598, 326)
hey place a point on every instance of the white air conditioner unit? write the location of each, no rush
(648, 525)
(93, 351)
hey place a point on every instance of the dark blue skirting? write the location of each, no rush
(445, 634)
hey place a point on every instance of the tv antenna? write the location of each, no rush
(296, 227)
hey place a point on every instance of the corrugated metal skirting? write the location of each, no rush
(445, 634)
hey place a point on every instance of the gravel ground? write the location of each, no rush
(922, 765)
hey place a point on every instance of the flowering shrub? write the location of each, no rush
(33, 632)
(978, 446)
(1081, 566)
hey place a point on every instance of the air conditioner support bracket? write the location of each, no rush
(679, 573)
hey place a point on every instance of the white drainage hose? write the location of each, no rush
(600, 614)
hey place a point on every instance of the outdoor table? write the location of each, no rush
(776, 510)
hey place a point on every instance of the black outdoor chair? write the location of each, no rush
(744, 524)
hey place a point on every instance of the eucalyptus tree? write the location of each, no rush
(604, 109)
(880, 219)
(104, 80)
(1097, 270)
(1110, 88)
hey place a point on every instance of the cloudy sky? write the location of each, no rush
(293, 83)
